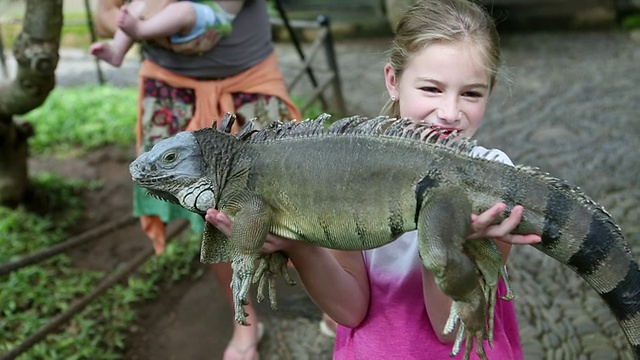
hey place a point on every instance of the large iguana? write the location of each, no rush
(359, 183)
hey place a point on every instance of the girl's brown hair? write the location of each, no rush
(443, 21)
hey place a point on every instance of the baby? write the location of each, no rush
(188, 27)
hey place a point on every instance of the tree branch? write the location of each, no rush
(36, 53)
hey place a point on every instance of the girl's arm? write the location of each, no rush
(335, 280)
(437, 304)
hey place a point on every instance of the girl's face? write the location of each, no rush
(445, 85)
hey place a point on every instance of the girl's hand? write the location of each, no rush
(272, 243)
(481, 226)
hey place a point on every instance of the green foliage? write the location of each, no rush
(631, 22)
(312, 111)
(32, 296)
(73, 121)
(84, 118)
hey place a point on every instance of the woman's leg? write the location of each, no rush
(244, 341)
(165, 111)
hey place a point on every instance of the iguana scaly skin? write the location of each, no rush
(359, 183)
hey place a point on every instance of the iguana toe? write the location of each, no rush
(270, 267)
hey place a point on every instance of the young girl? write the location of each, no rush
(442, 69)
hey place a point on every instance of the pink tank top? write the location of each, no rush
(397, 326)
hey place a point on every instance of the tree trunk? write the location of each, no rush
(36, 53)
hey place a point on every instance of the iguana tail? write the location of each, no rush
(583, 236)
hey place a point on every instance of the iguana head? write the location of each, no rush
(174, 170)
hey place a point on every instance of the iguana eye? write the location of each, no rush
(169, 157)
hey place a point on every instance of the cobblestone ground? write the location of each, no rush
(573, 112)
(570, 107)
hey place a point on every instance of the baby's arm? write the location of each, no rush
(335, 280)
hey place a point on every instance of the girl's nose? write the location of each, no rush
(449, 115)
(448, 111)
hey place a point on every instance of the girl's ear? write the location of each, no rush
(391, 81)
(493, 86)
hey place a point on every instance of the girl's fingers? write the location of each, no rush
(487, 217)
(527, 239)
(482, 228)
(219, 220)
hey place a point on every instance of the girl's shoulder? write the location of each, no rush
(491, 154)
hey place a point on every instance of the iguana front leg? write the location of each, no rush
(444, 222)
(251, 222)
(215, 246)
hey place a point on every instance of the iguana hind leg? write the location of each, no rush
(488, 259)
(270, 266)
(443, 224)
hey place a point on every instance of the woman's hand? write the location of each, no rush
(481, 226)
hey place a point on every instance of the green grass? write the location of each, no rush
(73, 121)
(631, 22)
(34, 295)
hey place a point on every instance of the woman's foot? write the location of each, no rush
(244, 342)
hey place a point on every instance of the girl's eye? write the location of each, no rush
(430, 89)
(473, 94)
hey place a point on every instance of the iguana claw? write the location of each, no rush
(488, 262)
(240, 284)
(474, 333)
(270, 266)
